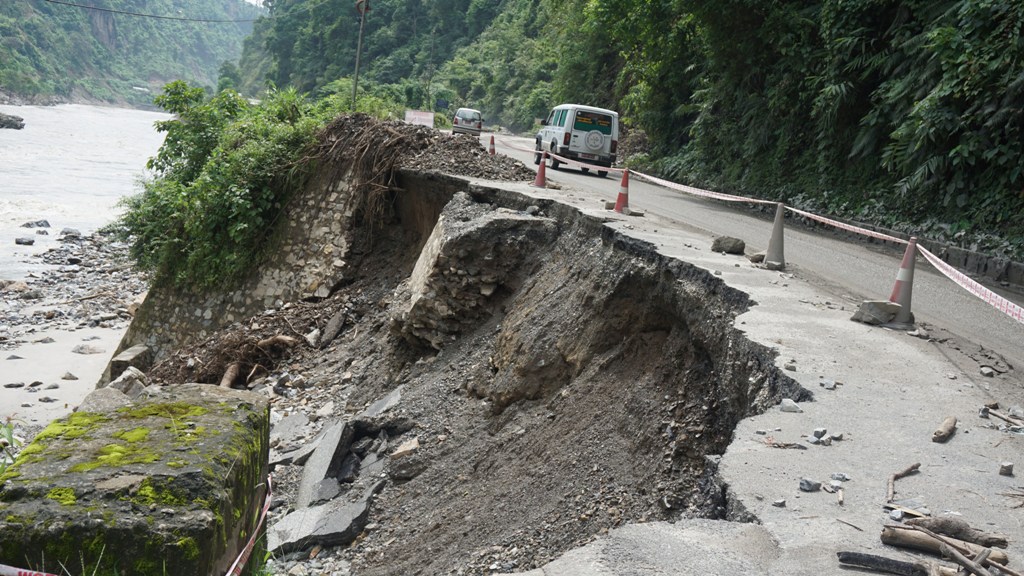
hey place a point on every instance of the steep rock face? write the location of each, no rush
(472, 259)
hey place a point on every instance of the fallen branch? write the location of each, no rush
(923, 539)
(230, 375)
(276, 343)
(883, 564)
(945, 430)
(1005, 418)
(958, 528)
(972, 567)
(892, 480)
(996, 559)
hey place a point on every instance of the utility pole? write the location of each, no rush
(362, 6)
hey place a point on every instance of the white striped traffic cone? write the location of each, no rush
(622, 202)
(491, 149)
(903, 289)
(774, 259)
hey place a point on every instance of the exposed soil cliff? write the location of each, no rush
(560, 379)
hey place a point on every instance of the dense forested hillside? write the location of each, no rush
(51, 50)
(901, 112)
(895, 111)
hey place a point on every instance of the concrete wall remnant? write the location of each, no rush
(170, 484)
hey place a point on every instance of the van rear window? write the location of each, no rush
(588, 121)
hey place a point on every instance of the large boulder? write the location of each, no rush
(11, 121)
(472, 259)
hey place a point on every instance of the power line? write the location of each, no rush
(139, 14)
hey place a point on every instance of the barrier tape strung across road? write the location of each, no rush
(998, 302)
(847, 227)
(562, 159)
(698, 191)
(989, 297)
(6, 570)
(243, 557)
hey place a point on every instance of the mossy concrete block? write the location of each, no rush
(172, 484)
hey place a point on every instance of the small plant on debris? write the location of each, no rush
(8, 444)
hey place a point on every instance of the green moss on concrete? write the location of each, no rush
(65, 496)
(188, 548)
(172, 410)
(76, 425)
(118, 455)
(134, 435)
(156, 492)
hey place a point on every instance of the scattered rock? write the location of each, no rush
(25, 241)
(808, 485)
(406, 448)
(15, 385)
(987, 371)
(840, 476)
(876, 312)
(69, 376)
(780, 503)
(1006, 469)
(87, 349)
(788, 405)
(728, 245)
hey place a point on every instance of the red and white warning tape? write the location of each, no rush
(996, 301)
(243, 557)
(847, 227)
(698, 191)
(6, 570)
(236, 568)
(562, 159)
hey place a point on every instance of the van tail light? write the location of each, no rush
(566, 138)
(456, 122)
(615, 145)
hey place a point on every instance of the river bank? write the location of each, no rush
(59, 327)
(68, 168)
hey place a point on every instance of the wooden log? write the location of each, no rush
(913, 537)
(991, 560)
(892, 479)
(958, 528)
(278, 342)
(971, 566)
(230, 375)
(890, 566)
(945, 430)
(1007, 419)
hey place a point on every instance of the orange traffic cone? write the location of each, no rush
(774, 258)
(902, 290)
(622, 202)
(541, 181)
(491, 149)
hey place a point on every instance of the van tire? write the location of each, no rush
(538, 155)
(554, 162)
(584, 170)
(602, 173)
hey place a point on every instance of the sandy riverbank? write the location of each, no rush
(60, 326)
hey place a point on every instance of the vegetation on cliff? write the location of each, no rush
(51, 51)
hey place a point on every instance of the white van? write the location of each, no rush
(582, 133)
